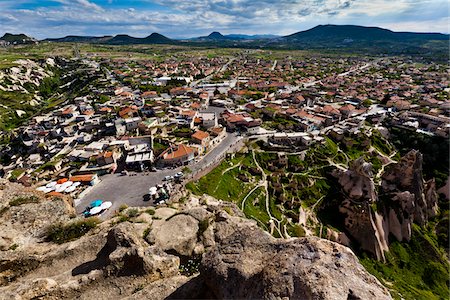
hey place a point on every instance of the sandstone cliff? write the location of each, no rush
(144, 253)
(373, 212)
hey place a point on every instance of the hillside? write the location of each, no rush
(81, 39)
(213, 36)
(358, 190)
(120, 39)
(204, 249)
(17, 39)
(335, 38)
(347, 33)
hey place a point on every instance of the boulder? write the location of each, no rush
(250, 264)
(179, 233)
(128, 255)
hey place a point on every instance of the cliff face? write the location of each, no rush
(141, 253)
(403, 197)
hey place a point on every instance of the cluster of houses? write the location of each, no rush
(123, 126)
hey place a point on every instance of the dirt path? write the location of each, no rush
(264, 183)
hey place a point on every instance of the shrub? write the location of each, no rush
(133, 212)
(123, 207)
(186, 170)
(62, 233)
(190, 266)
(146, 232)
(202, 226)
(228, 210)
(150, 211)
(23, 200)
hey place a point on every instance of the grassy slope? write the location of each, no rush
(414, 270)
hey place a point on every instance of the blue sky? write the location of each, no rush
(190, 18)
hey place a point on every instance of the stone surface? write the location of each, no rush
(250, 264)
(179, 233)
(404, 198)
(114, 261)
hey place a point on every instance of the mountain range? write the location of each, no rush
(332, 34)
(373, 40)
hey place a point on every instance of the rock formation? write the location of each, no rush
(251, 265)
(140, 257)
(403, 198)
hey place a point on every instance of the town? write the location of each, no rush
(145, 121)
(224, 149)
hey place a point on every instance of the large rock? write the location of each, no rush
(179, 233)
(404, 198)
(250, 264)
(126, 255)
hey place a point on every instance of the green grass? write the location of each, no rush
(23, 200)
(414, 270)
(255, 207)
(62, 233)
(222, 186)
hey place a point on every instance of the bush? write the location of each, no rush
(186, 170)
(202, 226)
(150, 211)
(146, 232)
(62, 233)
(190, 266)
(123, 207)
(133, 212)
(23, 200)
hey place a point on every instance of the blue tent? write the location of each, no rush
(96, 203)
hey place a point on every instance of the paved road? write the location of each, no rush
(132, 189)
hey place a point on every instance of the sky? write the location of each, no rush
(191, 18)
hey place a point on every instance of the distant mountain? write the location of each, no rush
(344, 38)
(17, 39)
(82, 39)
(350, 33)
(217, 36)
(251, 37)
(154, 38)
(213, 36)
(124, 39)
(120, 39)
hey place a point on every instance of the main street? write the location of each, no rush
(132, 189)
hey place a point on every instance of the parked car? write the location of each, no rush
(168, 178)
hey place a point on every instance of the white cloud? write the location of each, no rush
(198, 17)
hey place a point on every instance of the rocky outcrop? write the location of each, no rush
(403, 198)
(142, 256)
(179, 234)
(250, 264)
(404, 182)
(126, 254)
(357, 181)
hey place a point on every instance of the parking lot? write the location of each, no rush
(132, 189)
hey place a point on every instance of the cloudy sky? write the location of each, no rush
(190, 18)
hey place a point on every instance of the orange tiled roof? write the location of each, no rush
(347, 107)
(67, 111)
(182, 150)
(200, 135)
(195, 105)
(82, 178)
(188, 113)
(235, 118)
